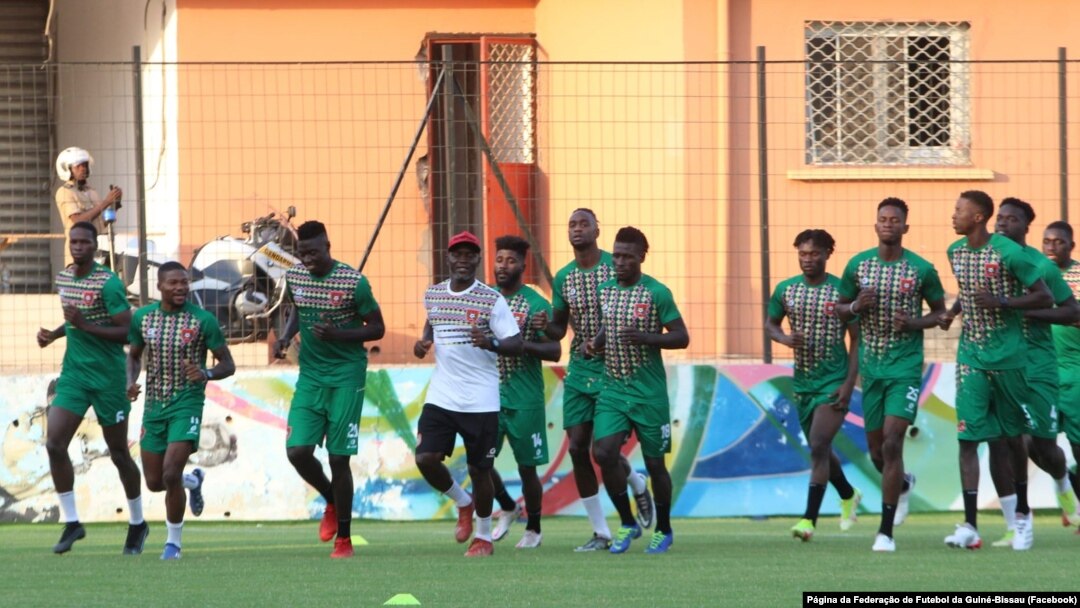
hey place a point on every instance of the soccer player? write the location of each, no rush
(1058, 245)
(97, 315)
(886, 286)
(470, 325)
(574, 302)
(825, 370)
(174, 334)
(1041, 415)
(997, 280)
(638, 319)
(335, 313)
(521, 392)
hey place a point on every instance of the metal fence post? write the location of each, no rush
(140, 173)
(1063, 134)
(763, 194)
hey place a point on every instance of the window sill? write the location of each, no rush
(910, 173)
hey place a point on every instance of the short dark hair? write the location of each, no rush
(169, 267)
(585, 210)
(892, 201)
(632, 236)
(1021, 205)
(85, 226)
(310, 229)
(513, 243)
(1063, 226)
(818, 237)
(981, 199)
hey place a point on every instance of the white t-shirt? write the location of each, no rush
(466, 377)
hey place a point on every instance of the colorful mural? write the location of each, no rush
(737, 450)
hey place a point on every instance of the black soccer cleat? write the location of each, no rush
(136, 538)
(73, 531)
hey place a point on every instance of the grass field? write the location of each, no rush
(728, 562)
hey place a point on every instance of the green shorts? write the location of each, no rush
(176, 423)
(111, 405)
(1069, 408)
(989, 403)
(579, 400)
(807, 403)
(1041, 408)
(651, 422)
(894, 397)
(526, 431)
(323, 412)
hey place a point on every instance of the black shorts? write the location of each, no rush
(437, 428)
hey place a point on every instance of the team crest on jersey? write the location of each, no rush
(187, 335)
(520, 317)
(830, 309)
(336, 297)
(907, 285)
(641, 311)
(790, 302)
(472, 316)
(88, 297)
(992, 269)
(571, 292)
(151, 333)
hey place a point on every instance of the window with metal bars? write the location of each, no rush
(887, 93)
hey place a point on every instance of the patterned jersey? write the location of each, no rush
(170, 338)
(1042, 356)
(822, 362)
(521, 379)
(341, 299)
(575, 291)
(1067, 337)
(901, 286)
(636, 372)
(466, 378)
(991, 338)
(89, 360)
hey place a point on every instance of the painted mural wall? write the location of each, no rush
(737, 451)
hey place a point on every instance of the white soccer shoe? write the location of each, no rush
(904, 503)
(506, 519)
(1025, 533)
(964, 537)
(884, 544)
(530, 540)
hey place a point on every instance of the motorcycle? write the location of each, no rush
(241, 281)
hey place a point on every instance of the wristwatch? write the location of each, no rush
(209, 373)
(1003, 301)
(494, 344)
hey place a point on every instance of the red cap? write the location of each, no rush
(464, 238)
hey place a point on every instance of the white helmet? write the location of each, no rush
(71, 157)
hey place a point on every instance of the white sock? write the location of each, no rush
(68, 513)
(637, 482)
(1063, 484)
(596, 515)
(483, 528)
(458, 495)
(174, 531)
(190, 481)
(135, 516)
(1008, 509)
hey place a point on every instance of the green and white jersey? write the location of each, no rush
(822, 362)
(340, 299)
(1067, 337)
(521, 379)
(170, 338)
(635, 372)
(575, 291)
(992, 338)
(91, 361)
(901, 285)
(1042, 356)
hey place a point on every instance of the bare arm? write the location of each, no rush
(292, 325)
(117, 332)
(775, 331)
(1066, 313)
(134, 368)
(372, 329)
(423, 345)
(1037, 296)
(903, 322)
(92, 213)
(674, 337)
(548, 350)
(46, 337)
(841, 397)
(556, 328)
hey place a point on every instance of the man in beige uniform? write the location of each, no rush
(75, 199)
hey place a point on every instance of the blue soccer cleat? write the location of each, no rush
(195, 497)
(171, 552)
(623, 537)
(660, 543)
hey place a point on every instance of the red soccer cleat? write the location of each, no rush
(480, 548)
(463, 529)
(328, 525)
(342, 548)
